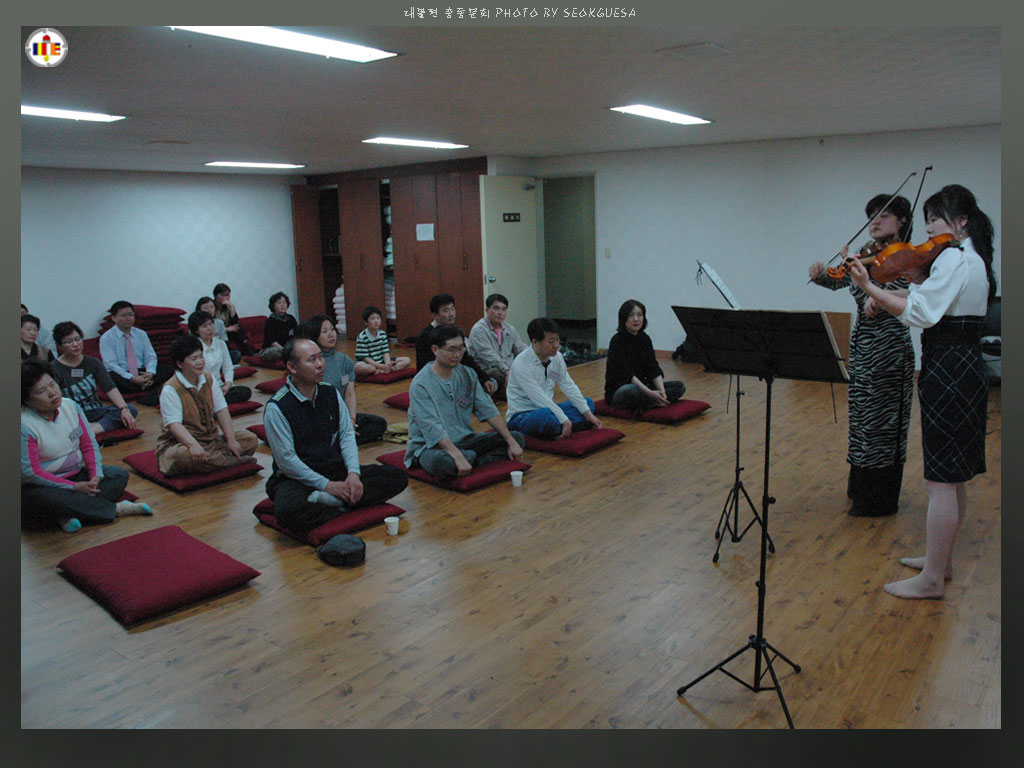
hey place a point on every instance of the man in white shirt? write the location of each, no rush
(531, 387)
(129, 356)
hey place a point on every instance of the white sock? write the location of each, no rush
(125, 508)
(323, 497)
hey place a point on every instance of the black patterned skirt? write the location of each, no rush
(953, 390)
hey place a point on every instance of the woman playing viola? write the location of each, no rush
(950, 305)
(881, 377)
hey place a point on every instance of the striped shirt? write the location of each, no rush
(373, 348)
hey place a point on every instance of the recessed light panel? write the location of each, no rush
(68, 114)
(295, 41)
(414, 143)
(660, 114)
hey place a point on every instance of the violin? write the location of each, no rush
(865, 256)
(910, 261)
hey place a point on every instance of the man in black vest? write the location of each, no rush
(317, 475)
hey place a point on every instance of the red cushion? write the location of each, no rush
(681, 410)
(153, 572)
(236, 409)
(145, 464)
(259, 430)
(91, 347)
(270, 387)
(128, 496)
(488, 474)
(400, 400)
(126, 395)
(387, 378)
(347, 522)
(255, 360)
(112, 436)
(578, 443)
(244, 372)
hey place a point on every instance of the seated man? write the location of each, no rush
(494, 343)
(531, 387)
(442, 307)
(316, 475)
(130, 357)
(443, 398)
(192, 407)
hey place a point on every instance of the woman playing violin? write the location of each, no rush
(950, 305)
(881, 376)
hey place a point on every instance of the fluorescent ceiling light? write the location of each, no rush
(295, 41)
(234, 164)
(69, 114)
(660, 114)
(414, 143)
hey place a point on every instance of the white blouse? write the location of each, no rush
(957, 285)
(218, 361)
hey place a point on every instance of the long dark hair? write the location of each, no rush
(624, 311)
(953, 201)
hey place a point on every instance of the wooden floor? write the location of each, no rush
(583, 599)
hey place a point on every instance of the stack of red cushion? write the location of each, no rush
(161, 324)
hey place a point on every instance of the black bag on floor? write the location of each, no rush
(343, 550)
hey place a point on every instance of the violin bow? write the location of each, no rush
(910, 221)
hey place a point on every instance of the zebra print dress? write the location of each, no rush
(881, 381)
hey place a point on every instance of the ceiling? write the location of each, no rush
(516, 92)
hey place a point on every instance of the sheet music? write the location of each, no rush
(723, 289)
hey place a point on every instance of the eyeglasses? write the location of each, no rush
(454, 350)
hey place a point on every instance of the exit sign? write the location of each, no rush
(510, 217)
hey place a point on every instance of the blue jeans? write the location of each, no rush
(542, 422)
(109, 416)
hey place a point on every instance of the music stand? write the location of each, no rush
(769, 345)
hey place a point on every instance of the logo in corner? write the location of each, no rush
(46, 47)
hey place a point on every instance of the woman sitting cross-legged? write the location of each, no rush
(192, 407)
(206, 304)
(340, 373)
(217, 357)
(632, 377)
(277, 328)
(81, 379)
(63, 478)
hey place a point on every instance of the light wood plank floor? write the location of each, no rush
(581, 600)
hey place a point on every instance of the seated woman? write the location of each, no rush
(227, 314)
(217, 357)
(632, 378)
(207, 305)
(82, 378)
(278, 328)
(30, 350)
(340, 373)
(63, 478)
(192, 407)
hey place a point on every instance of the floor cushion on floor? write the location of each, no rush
(244, 372)
(488, 474)
(112, 436)
(153, 572)
(237, 409)
(270, 387)
(259, 430)
(681, 410)
(578, 443)
(387, 378)
(255, 360)
(145, 464)
(399, 400)
(348, 522)
(128, 396)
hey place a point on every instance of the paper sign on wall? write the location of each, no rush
(424, 232)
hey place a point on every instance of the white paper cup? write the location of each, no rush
(391, 523)
(517, 477)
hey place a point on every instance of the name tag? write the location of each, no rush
(463, 401)
(77, 373)
(344, 380)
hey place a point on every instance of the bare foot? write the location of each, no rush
(918, 563)
(916, 588)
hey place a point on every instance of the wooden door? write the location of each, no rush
(417, 270)
(309, 278)
(459, 245)
(362, 252)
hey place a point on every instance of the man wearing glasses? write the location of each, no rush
(443, 398)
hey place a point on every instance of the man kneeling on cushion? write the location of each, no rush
(316, 475)
(192, 407)
(443, 398)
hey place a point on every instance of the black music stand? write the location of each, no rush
(769, 345)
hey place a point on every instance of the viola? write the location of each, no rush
(865, 256)
(910, 261)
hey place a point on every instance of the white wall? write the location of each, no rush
(89, 238)
(758, 212)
